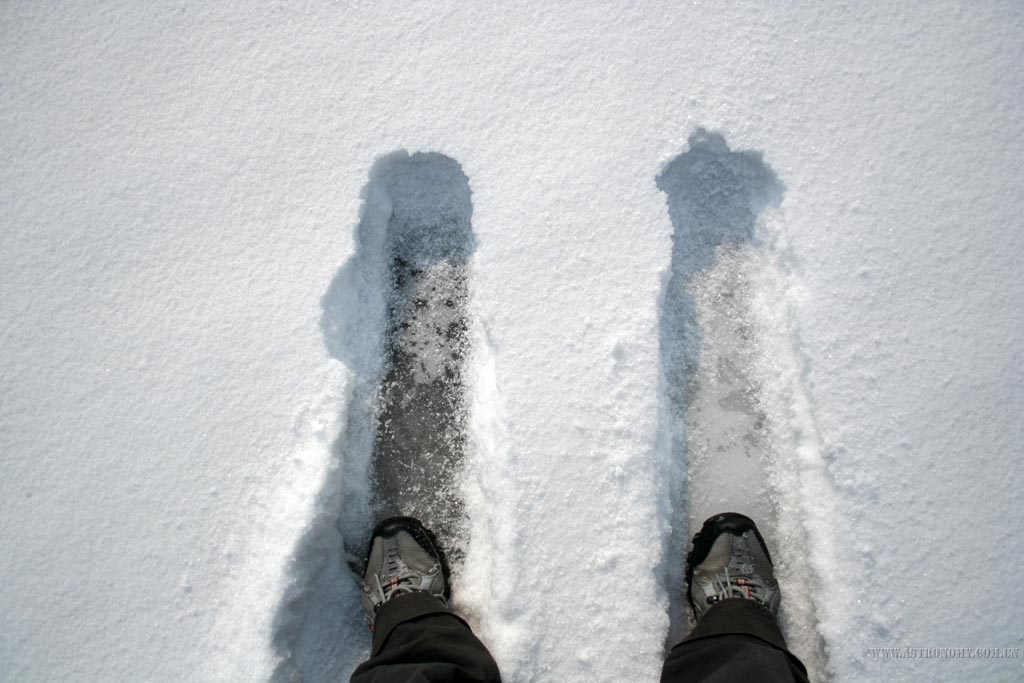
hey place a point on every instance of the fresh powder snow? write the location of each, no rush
(762, 258)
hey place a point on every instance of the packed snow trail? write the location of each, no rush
(723, 318)
(396, 315)
(708, 334)
(420, 439)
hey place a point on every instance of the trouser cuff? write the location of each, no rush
(405, 608)
(739, 616)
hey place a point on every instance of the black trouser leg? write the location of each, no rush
(416, 638)
(736, 640)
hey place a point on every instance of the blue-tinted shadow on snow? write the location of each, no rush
(714, 197)
(395, 315)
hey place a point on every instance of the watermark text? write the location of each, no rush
(944, 653)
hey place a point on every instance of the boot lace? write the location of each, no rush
(739, 584)
(729, 586)
(399, 579)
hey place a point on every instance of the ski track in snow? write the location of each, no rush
(396, 315)
(733, 408)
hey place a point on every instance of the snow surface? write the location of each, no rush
(822, 200)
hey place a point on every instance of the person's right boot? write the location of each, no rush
(404, 557)
(729, 559)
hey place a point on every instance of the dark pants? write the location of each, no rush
(417, 639)
(736, 640)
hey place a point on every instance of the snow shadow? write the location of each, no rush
(714, 197)
(396, 315)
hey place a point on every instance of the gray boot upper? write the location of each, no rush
(736, 565)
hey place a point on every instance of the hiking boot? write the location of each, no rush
(729, 559)
(404, 557)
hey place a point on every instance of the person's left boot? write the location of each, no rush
(404, 557)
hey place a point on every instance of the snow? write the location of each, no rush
(188, 207)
